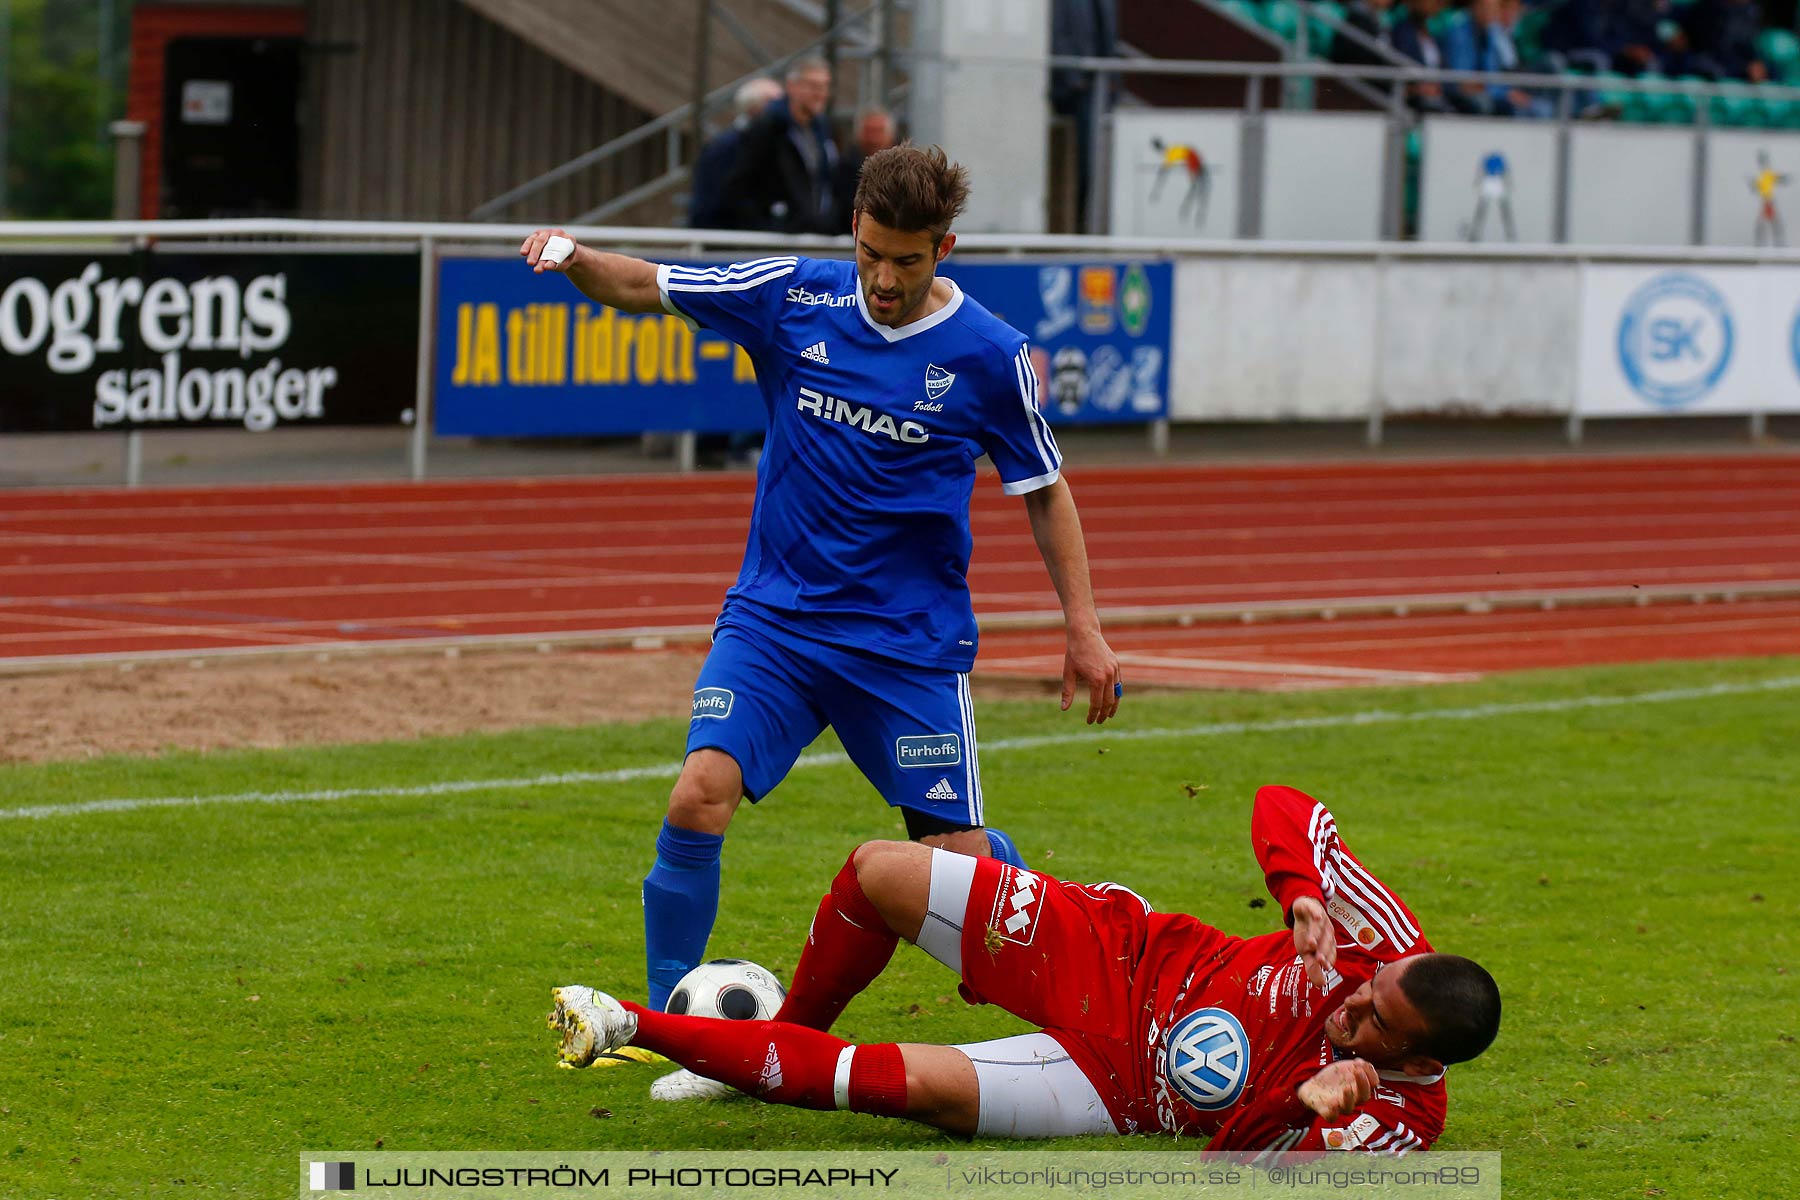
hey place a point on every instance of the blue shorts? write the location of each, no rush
(762, 697)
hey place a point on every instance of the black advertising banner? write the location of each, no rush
(256, 341)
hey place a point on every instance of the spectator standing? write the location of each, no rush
(785, 179)
(710, 205)
(1083, 29)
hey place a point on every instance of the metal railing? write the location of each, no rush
(670, 127)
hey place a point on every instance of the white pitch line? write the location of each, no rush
(1264, 667)
(670, 770)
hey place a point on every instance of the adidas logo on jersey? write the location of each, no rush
(816, 352)
(941, 790)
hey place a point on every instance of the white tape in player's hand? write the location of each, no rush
(556, 249)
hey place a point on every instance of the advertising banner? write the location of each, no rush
(1666, 341)
(245, 340)
(522, 355)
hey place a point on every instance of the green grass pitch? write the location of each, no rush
(191, 995)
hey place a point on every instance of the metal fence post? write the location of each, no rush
(1372, 434)
(421, 430)
(1559, 215)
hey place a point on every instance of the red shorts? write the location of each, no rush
(1081, 962)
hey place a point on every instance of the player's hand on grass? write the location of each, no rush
(1315, 940)
(1340, 1088)
(533, 251)
(1091, 661)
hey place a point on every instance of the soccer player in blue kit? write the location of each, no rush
(884, 384)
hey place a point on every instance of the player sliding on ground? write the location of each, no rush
(883, 385)
(1333, 1037)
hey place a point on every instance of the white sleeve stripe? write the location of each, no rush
(733, 271)
(1348, 890)
(738, 285)
(1322, 846)
(1377, 893)
(1027, 397)
(1037, 410)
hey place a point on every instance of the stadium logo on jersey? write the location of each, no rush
(1015, 913)
(928, 750)
(713, 702)
(1352, 919)
(799, 295)
(937, 381)
(816, 352)
(1208, 1059)
(858, 416)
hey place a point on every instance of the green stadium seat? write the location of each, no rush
(1733, 107)
(1642, 106)
(1246, 10)
(1319, 35)
(1528, 35)
(1282, 18)
(1780, 49)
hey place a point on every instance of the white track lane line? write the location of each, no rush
(1266, 667)
(1004, 745)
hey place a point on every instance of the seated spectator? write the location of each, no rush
(1605, 35)
(1369, 18)
(708, 203)
(1411, 36)
(1717, 40)
(1485, 43)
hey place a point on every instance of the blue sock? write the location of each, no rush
(681, 902)
(1004, 850)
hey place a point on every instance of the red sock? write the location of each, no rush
(782, 1063)
(848, 946)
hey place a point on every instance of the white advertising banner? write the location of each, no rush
(1175, 173)
(1631, 186)
(1322, 176)
(1689, 340)
(1751, 190)
(1487, 180)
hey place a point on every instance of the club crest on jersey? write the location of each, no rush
(1208, 1059)
(937, 381)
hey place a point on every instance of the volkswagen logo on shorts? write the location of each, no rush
(1675, 339)
(1208, 1059)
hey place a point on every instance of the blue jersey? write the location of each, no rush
(860, 535)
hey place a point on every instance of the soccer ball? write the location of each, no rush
(732, 988)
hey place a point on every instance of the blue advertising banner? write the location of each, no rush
(521, 355)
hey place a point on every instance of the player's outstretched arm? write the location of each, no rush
(1056, 527)
(615, 280)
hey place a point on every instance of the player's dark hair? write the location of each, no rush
(1460, 1003)
(912, 189)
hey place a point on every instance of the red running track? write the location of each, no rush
(90, 574)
